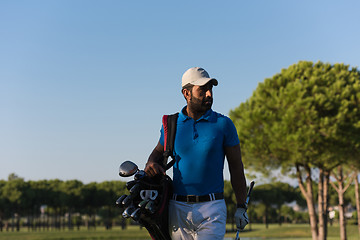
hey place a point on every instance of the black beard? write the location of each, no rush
(200, 106)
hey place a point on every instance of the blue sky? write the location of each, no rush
(84, 84)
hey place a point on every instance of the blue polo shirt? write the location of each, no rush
(199, 152)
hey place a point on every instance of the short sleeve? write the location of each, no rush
(231, 136)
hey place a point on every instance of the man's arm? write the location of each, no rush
(237, 176)
(153, 166)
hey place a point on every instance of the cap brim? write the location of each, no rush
(203, 81)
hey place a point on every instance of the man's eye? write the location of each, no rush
(205, 88)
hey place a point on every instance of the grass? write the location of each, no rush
(258, 231)
(131, 232)
(292, 231)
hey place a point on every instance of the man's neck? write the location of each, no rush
(193, 114)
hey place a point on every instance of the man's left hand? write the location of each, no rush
(241, 218)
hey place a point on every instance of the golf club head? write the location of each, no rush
(143, 203)
(127, 169)
(150, 206)
(127, 201)
(135, 215)
(128, 211)
(120, 199)
(135, 189)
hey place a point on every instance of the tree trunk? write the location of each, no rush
(321, 204)
(340, 189)
(69, 220)
(308, 194)
(357, 199)
(326, 201)
(342, 219)
(323, 189)
(279, 218)
(12, 222)
(265, 217)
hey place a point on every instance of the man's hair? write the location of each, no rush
(188, 86)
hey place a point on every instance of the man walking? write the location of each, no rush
(203, 139)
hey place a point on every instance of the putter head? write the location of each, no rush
(128, 169)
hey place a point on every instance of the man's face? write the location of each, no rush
(201, 98)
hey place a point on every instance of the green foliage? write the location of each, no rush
(266, 201)
(308, 114)
(59, 197)
(307, 117)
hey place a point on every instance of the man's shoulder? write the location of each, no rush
(218, 115)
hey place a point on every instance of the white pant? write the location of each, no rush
(197, 221)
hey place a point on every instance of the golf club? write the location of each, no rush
(135, 215)
(246, 203)
(130, 184)
(134, 191)
(120, 199)
(128, 169)
(143, 203)
(127, 201)
(139, 175)
(150, 206)
(128, 211)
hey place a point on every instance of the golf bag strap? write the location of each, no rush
(169, 123)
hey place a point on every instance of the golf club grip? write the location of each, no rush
(252, 183)
(249, 192)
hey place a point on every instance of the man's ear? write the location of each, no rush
(186, 93)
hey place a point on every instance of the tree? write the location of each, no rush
(14, 192)
(307, 118)
(3, 206)
(72, 194)
(273, 195)
(357, 200)
(108, 191)
(341, 189)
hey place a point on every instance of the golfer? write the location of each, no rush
(203, 139)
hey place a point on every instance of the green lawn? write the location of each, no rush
(132, 232)
(291, 231)
(258, 231)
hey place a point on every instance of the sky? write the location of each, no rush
(84, 84)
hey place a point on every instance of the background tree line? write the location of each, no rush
(55, 204)
(58, 204)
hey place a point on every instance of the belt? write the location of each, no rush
(195, 199)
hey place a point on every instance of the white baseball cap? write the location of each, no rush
(197, 76)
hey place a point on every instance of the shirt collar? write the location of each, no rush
(207, 116)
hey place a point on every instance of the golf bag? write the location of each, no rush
(148, 202)
(149, 197)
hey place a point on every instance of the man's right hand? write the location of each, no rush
(153, 168)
